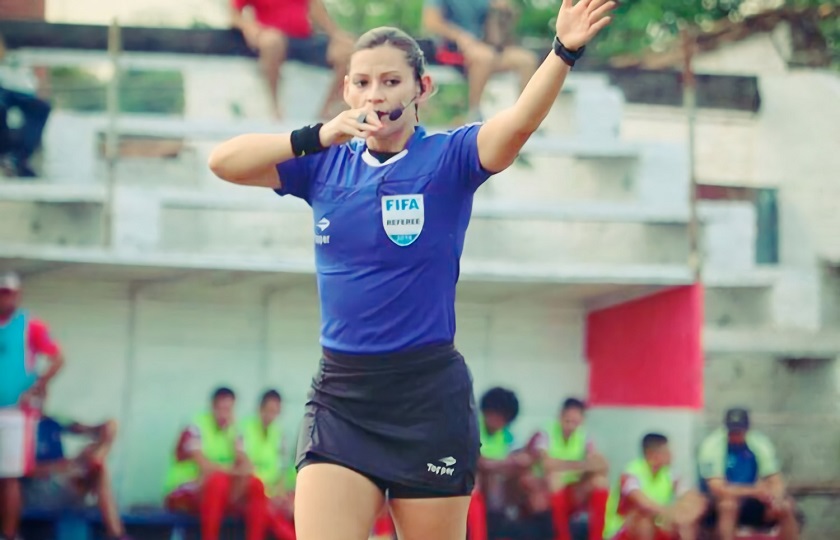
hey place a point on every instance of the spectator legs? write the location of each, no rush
(35, 112)
(561, 510)
(214, 500)
(108, 505)
(477, 517)
(597, 512)
(10, 506)
(273, 47)
(256, 509)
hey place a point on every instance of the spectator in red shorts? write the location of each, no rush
(59, 482)
(282, 29)
(210, 474)
(576, 472)
(263, 443)
(649, 503)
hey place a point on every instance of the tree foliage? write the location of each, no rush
(139, 91)
(637, 24)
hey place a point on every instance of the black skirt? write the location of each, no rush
(404, 419)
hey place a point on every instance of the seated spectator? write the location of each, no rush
(211, 476)
(740, 475)
(58, 482)
(648, 503)
(23, 116)
(470, 34)
(281, 29)
(576, 472)
(264, 445)
(501, 488)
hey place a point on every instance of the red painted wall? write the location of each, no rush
(648, 352)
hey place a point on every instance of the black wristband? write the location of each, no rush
(307, 140)
(569, 57)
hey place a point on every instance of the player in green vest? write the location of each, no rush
(210, 475)
(576, 472)
(262, 439)
(644, 503)
(499, 467)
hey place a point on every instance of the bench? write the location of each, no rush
(829, 489)
(140, 523)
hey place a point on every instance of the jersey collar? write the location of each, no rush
(419, 132)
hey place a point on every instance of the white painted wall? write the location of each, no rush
(790, 143)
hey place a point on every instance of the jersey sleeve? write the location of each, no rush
(297, 173)
(462, 157)
(711, 457)
(680, 487)
(40, 341)
(629, 484)
(541, 441)
(188, 442)
(765, 456)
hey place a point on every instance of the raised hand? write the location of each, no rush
(578, 23)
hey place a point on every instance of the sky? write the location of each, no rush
(139, 12)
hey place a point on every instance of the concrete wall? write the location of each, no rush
(789, 144)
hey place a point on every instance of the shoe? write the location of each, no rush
(23, 170)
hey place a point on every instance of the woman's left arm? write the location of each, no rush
(504, 135)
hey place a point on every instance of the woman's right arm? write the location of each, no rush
(251, 160)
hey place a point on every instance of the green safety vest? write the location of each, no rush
(573, 449)
(263, 449)
(493, 446)
(290, 478)
(217, 446)
(659, 488)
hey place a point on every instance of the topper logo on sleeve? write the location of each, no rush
(402, 218)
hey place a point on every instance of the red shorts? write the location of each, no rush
(570, 497)
(186, 498)
(18, 428)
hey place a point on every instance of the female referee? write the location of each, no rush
(391, 411)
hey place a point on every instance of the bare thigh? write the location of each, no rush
(334, 503)
(424, 519)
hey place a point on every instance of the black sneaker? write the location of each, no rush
(23, 170)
